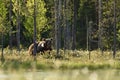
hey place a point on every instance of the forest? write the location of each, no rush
(73, 24)
(85, 38)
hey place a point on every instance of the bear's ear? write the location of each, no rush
(43, 39)
(51, 39)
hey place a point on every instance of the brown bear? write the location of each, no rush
(41, 46)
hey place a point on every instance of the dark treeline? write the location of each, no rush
(73, 24)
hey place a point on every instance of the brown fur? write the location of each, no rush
(30, 49)
(44, 45)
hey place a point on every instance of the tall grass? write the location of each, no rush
(69, 60)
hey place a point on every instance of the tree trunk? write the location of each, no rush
(34, 36)
(74, 26)
(10, 19)
(65, 26)
(56, 27)
(18, 26)
(64, 22)
(2, 54)
(67, 43)
(59, 22)
(100, 45)
(114, 46)
(87, 36)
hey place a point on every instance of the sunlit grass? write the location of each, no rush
(14, 60)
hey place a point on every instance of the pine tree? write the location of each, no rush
(10, 20)
(56, 26)
(114, 49)
(74, 26)
(34, 36)
(100, 45)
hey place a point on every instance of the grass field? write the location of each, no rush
(70, 60)
(70, 64)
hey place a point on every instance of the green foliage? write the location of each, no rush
(40, 16)
(86, 10)
(45, 17)
(3, 12)
(23, 11)
(108, 22)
